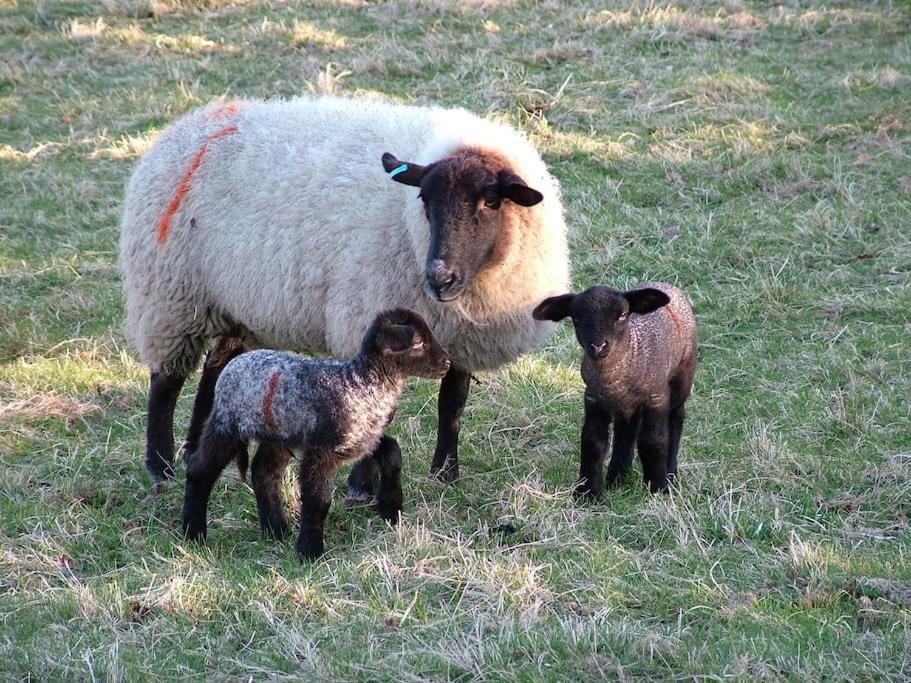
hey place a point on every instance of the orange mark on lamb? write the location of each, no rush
(268, 398)
(164, 226)
(674, 320)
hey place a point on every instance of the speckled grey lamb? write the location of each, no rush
(327, 412)
(640, 356)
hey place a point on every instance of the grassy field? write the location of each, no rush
(757, 155)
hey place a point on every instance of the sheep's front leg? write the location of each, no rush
(595, 441)
(453, 394)
(268, 470)
(223, 351)
(316, 470)
(389, 496)
(653, 450)
(163, 392)
(621, 459)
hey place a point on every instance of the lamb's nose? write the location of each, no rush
(597, 348)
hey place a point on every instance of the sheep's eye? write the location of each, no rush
(622, 317)
(491, 198)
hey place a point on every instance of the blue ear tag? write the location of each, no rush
(398, 169)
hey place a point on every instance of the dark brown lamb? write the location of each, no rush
(640, 356)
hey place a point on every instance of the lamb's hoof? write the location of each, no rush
(389, 514)
(586, 494)
(159, 471)
(356, 497)
(277, 529)
(187, 451)
(308, 552)
(446, 473)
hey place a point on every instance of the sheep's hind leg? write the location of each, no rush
(675, 430)
(362, 482)
(453, 394)
(389, 495)
(221, 353)
(163, 392)
(269, 465)
(595, 441)
(653, 450)
(621, 459)
(203, 469)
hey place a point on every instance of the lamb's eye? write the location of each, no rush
(621, 318)
(492, 203)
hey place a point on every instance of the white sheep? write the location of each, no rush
(274, 224)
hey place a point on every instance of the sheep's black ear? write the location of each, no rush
(403, 171)
(555, 308)
(400, 338)
(646, 300)
(513, 187)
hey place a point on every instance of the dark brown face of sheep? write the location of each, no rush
(601, 314)
(466, 198)
(405, 340)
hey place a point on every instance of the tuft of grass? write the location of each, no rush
(754, 154)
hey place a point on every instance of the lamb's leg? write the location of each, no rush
(224, 349)
(363, 479)
(389, 496)
(675, 430)
(163, 392)
(269, 465)
(316, 470)
(653, 450)
(453, 394)
(203, 469)
(621, 459)
(595, 440)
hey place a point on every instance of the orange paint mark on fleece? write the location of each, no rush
(674, 320)
(268, 397)
(225, 111)
(164, 226)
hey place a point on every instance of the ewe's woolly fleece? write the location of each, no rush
(292, 230)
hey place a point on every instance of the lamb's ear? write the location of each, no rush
(513, 187)
(555, 308)
(400, 338)
(403, 171)
(646, 300)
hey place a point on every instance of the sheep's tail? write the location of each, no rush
(217, 448)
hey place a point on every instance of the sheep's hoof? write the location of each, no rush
(586, 494)
(275, 528)
(356, 497)
(159, 469)
(447, 473)
(307, 552)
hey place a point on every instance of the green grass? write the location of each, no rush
(755, 154)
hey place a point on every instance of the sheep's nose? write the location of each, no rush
(597, 348)
(442, 280)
